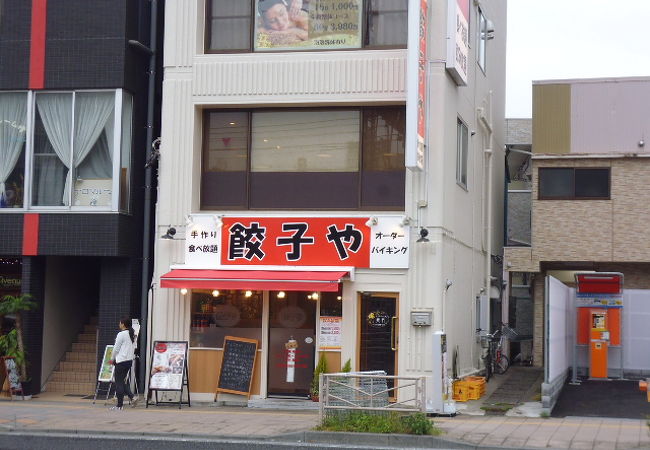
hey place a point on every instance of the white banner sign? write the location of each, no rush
(329, 335)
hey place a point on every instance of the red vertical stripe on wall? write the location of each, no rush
(30, 234)
(37, 52)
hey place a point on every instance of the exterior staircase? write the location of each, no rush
(76, 373)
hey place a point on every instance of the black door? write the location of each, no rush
(378, 333)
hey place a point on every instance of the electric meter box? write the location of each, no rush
(421, 318)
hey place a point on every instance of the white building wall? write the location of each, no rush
(453, 216)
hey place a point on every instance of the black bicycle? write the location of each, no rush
(494, 360)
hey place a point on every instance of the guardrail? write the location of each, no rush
(371, 392)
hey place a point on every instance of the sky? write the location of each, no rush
(560, 39)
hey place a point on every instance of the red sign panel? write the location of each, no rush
(310, 241)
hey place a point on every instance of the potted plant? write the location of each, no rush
(11, 358)
(347, 367)
(15, 305)
(321, 367)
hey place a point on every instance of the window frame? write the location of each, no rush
(250, 111)
(481, 46)
(540, 196)
(462, 154)
(363, 34)
(119, 96)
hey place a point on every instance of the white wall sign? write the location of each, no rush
(203, 242)
(458, 40)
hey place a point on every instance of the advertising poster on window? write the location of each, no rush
(106, 370)
(307, 24)
(329, 336)
(168, 365)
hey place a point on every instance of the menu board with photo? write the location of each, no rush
(307, 24)
(107, 369)
(168, 365)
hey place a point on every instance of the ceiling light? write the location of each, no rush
(314, 296)
(282, 294)
(248, 294)
(215, 293)
(183, 291)
(339, 298)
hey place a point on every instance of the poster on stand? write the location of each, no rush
(168, 365)
(329, 336)
(107, 369)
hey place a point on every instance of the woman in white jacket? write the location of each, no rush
(122, 358)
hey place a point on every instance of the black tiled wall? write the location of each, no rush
(15, 36)
(33, 283)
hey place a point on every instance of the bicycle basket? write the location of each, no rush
(485, 341)
(510, 333)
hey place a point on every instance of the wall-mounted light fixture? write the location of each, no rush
(372, 221)
(171, 232)
(183, 291)
(406, 220)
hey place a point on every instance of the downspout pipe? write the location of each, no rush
(486, 122)
(148, 179)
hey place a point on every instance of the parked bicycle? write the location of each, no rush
(494, 359)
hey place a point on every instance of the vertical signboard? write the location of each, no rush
(458, 40)
(416, 100)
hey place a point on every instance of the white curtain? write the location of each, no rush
(13, 112)
(92, 111)
(56, 115)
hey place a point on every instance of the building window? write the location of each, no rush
(483, 36)
(286, 25)
(77, 146)
(462, 149)
(348, 158)
(217, 314)
(570, 183)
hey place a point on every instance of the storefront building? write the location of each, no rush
(316, 205)
(72, 115)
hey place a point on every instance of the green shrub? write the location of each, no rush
(363, 422)
(321, 367)
(347, 367)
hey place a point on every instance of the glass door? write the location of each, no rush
(292, 336)
(378, 328)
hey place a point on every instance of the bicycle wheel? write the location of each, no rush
(487, 361)
(501, 365)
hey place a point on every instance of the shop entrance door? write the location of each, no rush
(292, 336)
(378, 339)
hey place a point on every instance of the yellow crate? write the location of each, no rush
(475, 381)
(475, 392)
(461, 391)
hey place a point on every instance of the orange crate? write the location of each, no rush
(461, 391)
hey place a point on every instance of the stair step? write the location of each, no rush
(80, 356)
(71, 387)
(73, 377)
(90, 329)
(86, 337)
(83, 347)
(77, 366)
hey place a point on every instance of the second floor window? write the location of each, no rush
(569, 183)
(351, 158)
(462, 150)
(73, 154)
(287, 25)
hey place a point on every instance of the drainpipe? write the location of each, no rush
(148, 177)
(486, 122)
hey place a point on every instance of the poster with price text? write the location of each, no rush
(307, 24)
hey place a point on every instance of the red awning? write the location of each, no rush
(269, 280)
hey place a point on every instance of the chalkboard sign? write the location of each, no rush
(237, 365)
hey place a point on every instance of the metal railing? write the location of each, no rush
(370, 392)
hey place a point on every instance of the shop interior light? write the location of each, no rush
(372, 221)
(248, 294)
(215, 293)
(183, 291)
(339, 298)
(282, 294)
(314, 296)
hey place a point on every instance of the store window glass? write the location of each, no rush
(125, 166)
(13, 133)
(462, 152)
(217, 314)
(229, 25)
(331, 304)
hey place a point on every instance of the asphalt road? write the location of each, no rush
(52, 441)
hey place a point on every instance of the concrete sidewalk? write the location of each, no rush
(72, 415)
